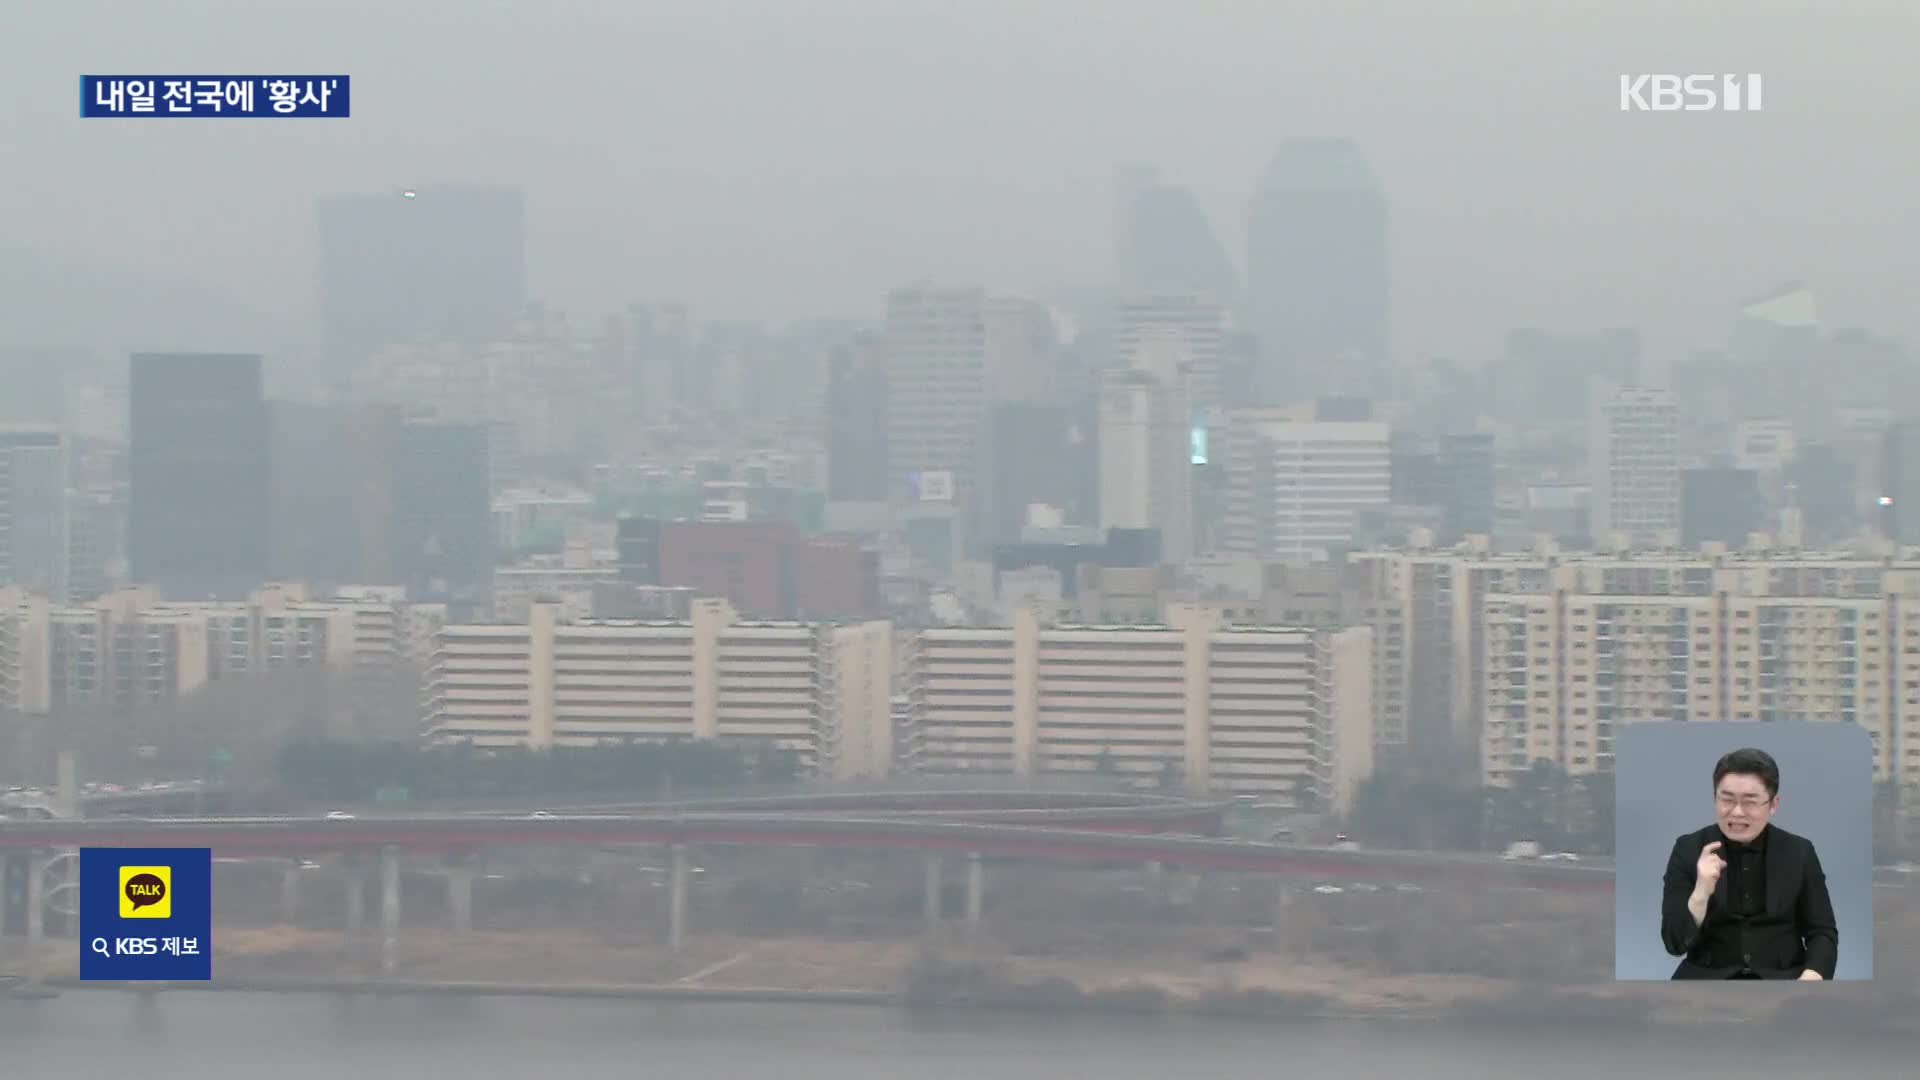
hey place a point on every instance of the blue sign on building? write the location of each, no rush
(146, 914)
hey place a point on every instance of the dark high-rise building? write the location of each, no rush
(1032, 454)
(34, 534)
(1720, 503)
(442, 513)
(857, 423)
(1317, 273)
(440, 263)
(1466, 465)
(1455, 477)
(315, 494)
(1900, 481)
(1169, 248)
(1819, 483)
(199, 469)
(638, 543)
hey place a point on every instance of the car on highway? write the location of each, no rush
(339, 815)
(539, 814)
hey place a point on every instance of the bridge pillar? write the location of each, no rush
(677, 900)
(935, 883)
(13, 894)
(356, 902)
(289, 893)
(36, 919)
(1156, 883)
(976, 893)
(389, 910)
(460, 898)
(1282, 905)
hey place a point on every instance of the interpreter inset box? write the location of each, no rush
(1744, 851)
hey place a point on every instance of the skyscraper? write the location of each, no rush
(33, 510)
(1634, 461)
(1200, 325)
(1318, 274)
(1900, 482)
(1146, 469)
(857, 422)
(1166, 244)
(198, 465)
(442, 510)
(1297, 487)
(441, 264)
(936, 346)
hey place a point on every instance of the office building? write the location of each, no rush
(1034, 456)
(442, 514)
(1296, 488)
(35, 537)
(1189, 329)
(1633, 460)
(1167, 245)
(199, 464)
(937, 387)
(1899, 496)
(1318, 273)
(1720, 504)
(856, 436)
(1146, 469)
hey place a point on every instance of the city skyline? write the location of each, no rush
(1577, 215)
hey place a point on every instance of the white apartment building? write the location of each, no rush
(1795, 642)
(821, 692)
(1197, 703)
(1145, 457)
(1634, 460)
(1295, 488)
(129, 649)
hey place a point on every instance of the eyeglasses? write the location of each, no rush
(1749, 803)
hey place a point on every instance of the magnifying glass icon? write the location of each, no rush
(100, 946)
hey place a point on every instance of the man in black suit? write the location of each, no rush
(1744, 898)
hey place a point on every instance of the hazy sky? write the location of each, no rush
(780, 158)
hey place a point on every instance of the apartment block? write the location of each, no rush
(130, 649)
(1196, 704)
(820, 691)
(1567, 667)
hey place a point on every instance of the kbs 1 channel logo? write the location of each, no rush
(188, 96)
(146, 914)
(1690, 93)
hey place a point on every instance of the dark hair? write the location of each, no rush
(1749, 762)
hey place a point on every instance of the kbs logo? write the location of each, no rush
(146, 892)
(1689, 93)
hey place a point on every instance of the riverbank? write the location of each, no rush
(1157, 977)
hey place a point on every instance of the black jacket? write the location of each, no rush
(1796, 931)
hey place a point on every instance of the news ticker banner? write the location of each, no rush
(140, 96)
(146, 914)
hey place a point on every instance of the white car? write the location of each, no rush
(339, 815)
(1560, 856)
(539, 814)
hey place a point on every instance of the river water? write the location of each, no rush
(187, 1035)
